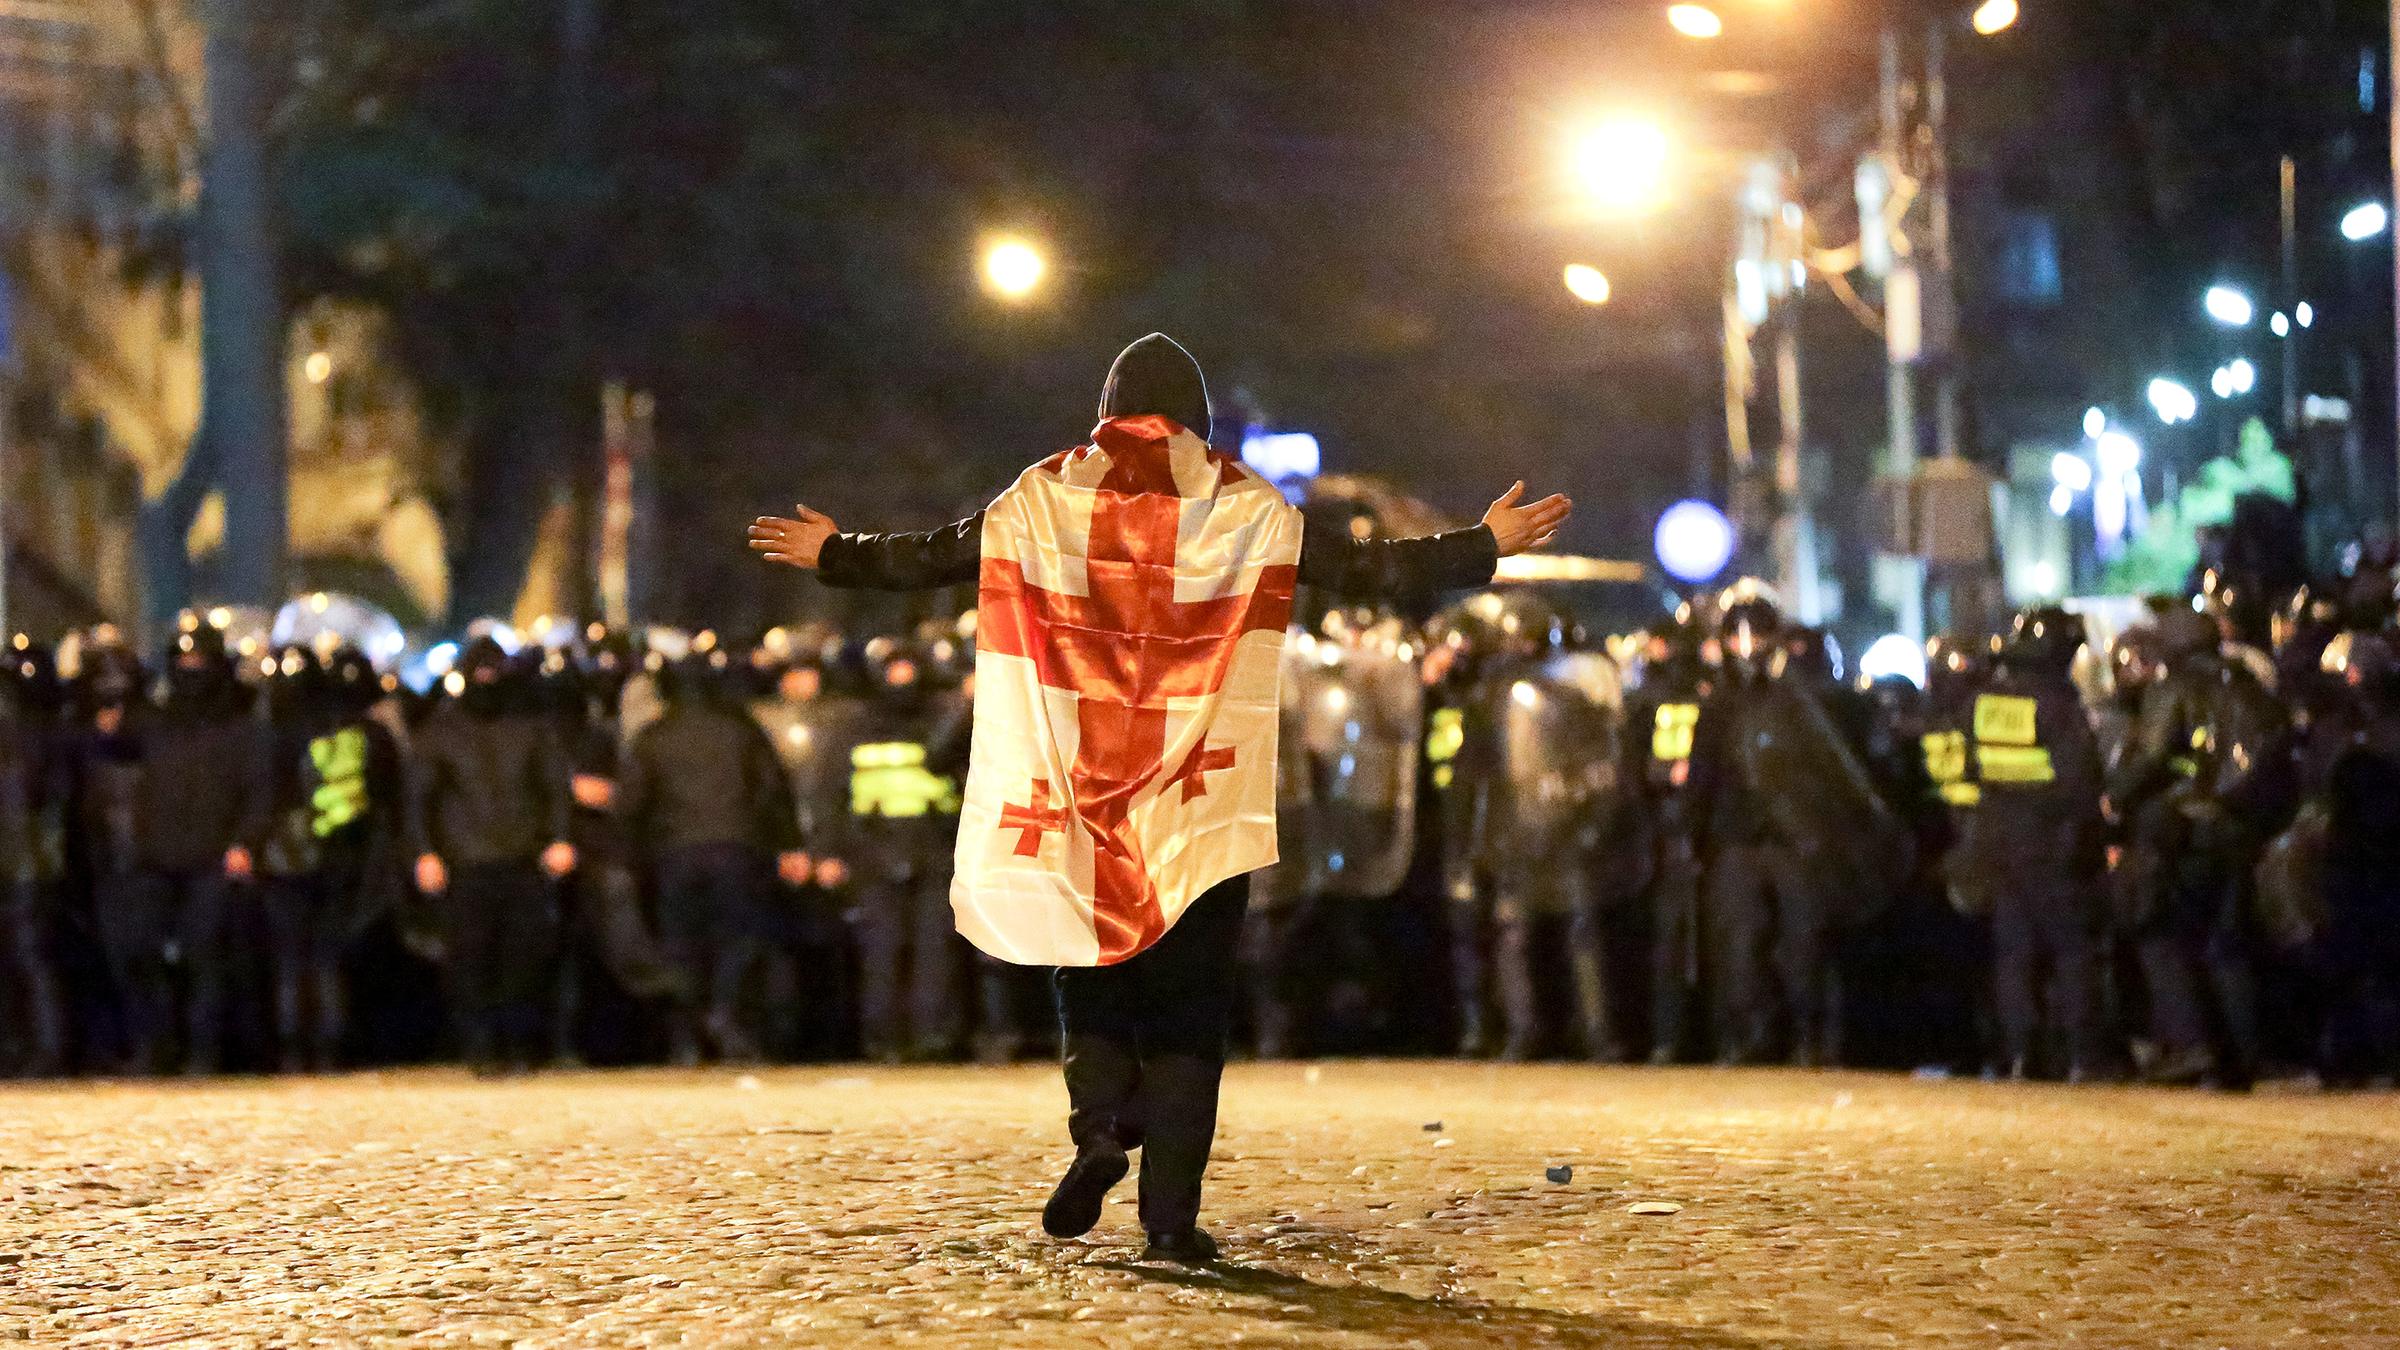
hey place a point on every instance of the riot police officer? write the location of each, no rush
(1661, 719)
(488, 822)
(2037, 841)
(2204, 780)
(199, 802)
(2355, 779)
(1798, 842)
(330, 861)
(812, 726)
(33, 799)
(903, 804)
(705, 800)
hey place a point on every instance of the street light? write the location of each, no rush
(1695, 21)
(2229, 306)
(2365, 221)
(1587, 283)
(2173, 401)
(1013, 268)
(1994, 16)
(2234, 379)
(1621, 164)
(2118, 453)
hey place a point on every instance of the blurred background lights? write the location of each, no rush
(1587, 283)
(2094, 421)
(1013, 269)
(1994, 16)
(2070, 471)
(1695, 21)
(2229, 306)
(1621, 164)
(1694, 541)
(2365, 221)
(2173, 401)
(1893, 654)
(2119, 454)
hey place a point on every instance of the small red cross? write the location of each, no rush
(1199, 762)
(1035, 820)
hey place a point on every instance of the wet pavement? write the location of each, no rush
(840, 1206)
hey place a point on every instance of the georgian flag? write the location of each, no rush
(1129, 644)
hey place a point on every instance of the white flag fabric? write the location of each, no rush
(1128, 652)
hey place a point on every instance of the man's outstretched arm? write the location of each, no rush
(949, 556)
(1391, 568)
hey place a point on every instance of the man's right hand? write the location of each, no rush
(432, 877)
(794, 543)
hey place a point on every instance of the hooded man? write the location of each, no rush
(1106, 831)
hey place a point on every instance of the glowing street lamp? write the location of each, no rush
(1587, 283)
(1695, 21)
(1013, 269)
(1621, 164)
(2365, 221)
(1995, 16)
(2228, 306)
(2173, 401)
(2118, 453)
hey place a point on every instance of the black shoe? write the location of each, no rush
(1191, 1247)
(1075, 1206)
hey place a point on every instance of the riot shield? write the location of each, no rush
(1557, 729)
(1850, 845)
(1355, 712)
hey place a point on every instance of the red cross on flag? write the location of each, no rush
(1134, 597)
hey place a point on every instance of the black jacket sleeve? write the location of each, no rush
(949, 556)
(1388, 569)
(1397, 569)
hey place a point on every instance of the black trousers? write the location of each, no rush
(1143, 1045)
(500, 934)
(149, 921)
(908, 964)
(710, 920)
(32, 997)
(2043, 941)
(1770, 948)
(308, 923)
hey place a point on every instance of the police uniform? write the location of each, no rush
(900, 837)
(1664, 717)
(2036, 848)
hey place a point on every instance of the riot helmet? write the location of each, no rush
(2366, 663)
(1749, 636)
(31, 675)
(295, 682)
(2044, 641)
(483, 679)
(354, 686)
(200, 670)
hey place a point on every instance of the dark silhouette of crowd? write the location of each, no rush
(2168, 855)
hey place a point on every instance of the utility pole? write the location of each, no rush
(242, 395)
(1903, 572)
(2287, 299)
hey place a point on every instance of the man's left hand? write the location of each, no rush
(1516, 528)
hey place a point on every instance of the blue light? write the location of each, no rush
(1694, 541)
(1278, 455)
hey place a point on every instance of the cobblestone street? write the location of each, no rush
(834, 1205)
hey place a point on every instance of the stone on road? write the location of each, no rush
(902, 1206)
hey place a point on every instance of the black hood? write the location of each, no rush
(1157, 376)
